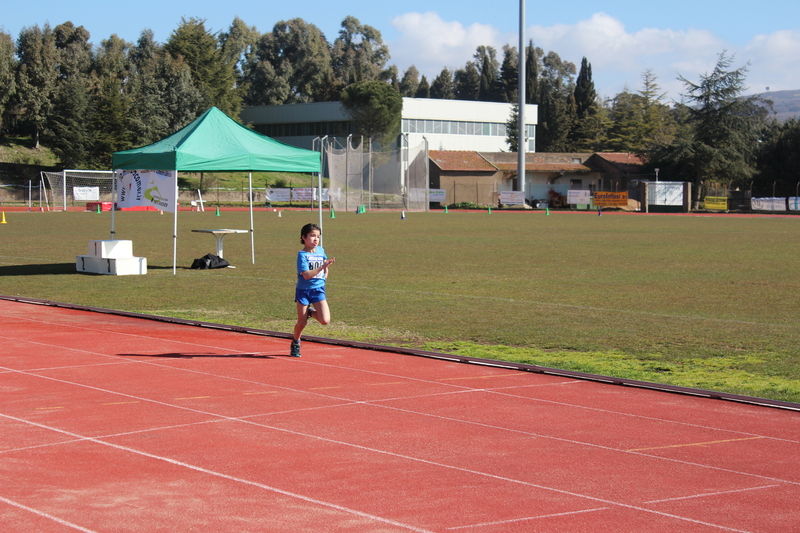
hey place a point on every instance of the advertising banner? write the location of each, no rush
(794, 203)
(611, 199)
(716, 202)
(437, 195)
(304, 194)
(768, 204)
(147, 188)
(279, 195)
(89, 194)
(512, 197)
(580, 197)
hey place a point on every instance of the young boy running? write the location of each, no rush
(312, 271)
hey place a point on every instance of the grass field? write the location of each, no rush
(707, 302)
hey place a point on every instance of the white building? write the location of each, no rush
(446, 124)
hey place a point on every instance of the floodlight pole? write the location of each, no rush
(521, 141)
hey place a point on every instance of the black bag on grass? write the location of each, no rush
(209, 261)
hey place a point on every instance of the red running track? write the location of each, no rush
(112, 423)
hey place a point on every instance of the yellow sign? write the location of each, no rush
(716, 202)
(610, 199)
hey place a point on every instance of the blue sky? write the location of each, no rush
(620, 38)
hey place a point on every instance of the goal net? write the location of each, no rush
(392, 179)
(69, 188)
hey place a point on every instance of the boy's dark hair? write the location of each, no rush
(308, 228)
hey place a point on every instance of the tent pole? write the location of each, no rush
(175, 229)
(252, 239)
(113, 204)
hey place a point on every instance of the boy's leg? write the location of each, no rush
(322, 312)
(302, 320)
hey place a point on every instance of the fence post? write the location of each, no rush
(687, 197)
(644, 197)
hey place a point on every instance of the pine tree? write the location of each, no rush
(467, 82)
(8, 84)
(509, 74)
(442, 86)
(36, 78)
(410, 82)
(586, 131)
(213, 73)
(424, 89)
(722, 143)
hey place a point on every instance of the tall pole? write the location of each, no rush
(521, 141)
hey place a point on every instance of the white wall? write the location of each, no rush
(413, 108)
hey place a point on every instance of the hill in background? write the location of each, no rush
(786, 104)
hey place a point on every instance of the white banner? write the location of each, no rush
(579, 196)
(794, 203)
(86, 194)
(768, 204)
(437, 195)
(279, 195)
(304, 194)
(147, 188)
(512, 197)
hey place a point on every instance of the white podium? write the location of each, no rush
(114, 258)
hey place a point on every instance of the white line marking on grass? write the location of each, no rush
(45, 515)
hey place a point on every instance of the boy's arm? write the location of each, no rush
(308, 274)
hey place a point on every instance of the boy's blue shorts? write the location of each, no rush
(309, 296)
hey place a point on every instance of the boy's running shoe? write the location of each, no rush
(294, 350)
(310, 311)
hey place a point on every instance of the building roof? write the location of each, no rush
(457, 160)
(546, 167)
(626, 162)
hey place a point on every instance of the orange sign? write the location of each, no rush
(611, 199)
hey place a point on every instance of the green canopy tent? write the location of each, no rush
(216, 143)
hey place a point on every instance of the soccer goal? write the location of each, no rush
(74, 187)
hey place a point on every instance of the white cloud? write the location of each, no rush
(618, 57)
(430, 43)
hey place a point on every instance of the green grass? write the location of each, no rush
(20, 150)
(707, 302)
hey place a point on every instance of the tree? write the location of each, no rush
(376, 109)
(467, 82)
(410, 82)
(424, 89)
(162, 95)
(533, 59)
(489, 88)
(212, 71)
(442, 86)
(238, 45)
(293, 65)
(358, 54)
(779, 158)
(509, 74)
(725, 128)
(657, 123)
(74, 50)
(587, 129)
(512, 128)
(8, 67)
(36, 77)
(556, 105)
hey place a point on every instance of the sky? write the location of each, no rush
(621, 39)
